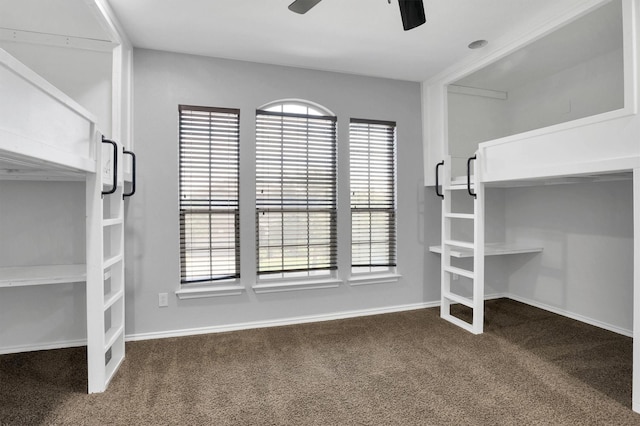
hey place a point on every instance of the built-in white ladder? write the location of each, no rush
(105, 266)
(470, 291)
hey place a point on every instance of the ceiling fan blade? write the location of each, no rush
(302, 6)
(412, 12)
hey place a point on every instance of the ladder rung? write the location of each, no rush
(111, 337)
(460, 215)
(112, 261)
(457, 187)
(456, 243)
(111, 368)
(112, 222)
(459, 271)
(457, 321)
(459, 299)
(113, 299)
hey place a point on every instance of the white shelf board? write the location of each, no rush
(490, 249)
(42, 275)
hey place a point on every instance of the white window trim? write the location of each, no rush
(310, 284)
(369, 279)
(195, 291)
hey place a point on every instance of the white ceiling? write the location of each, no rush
(354, 36)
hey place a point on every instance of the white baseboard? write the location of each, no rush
(309, 319)
(43, 346)
(279, 322)
(572, 315)
(291, 321)
(496, 296)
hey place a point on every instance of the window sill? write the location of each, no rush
(374, 279)
(209, 291)
(296, 285)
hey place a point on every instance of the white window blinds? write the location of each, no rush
(209, 176)
(295, 193)
(372, 183)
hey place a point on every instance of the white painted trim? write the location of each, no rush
(558, 171)
(109, 22)
(630, 55)
(369, 279)
(280, 322)
(496, 296)
(31, 37)
(43, 346)
(296, 285)
(561, 127)
(571, 315)
(209, 291)
(636, 290)
(27, 151)
(473, 91)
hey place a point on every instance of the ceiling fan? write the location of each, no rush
(412, 11)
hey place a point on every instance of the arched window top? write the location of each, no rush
(297, 106)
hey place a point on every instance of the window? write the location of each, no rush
(209, 175)
(295, 191)
(372, 185)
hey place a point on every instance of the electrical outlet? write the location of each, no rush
(455, 277)
(163, 299)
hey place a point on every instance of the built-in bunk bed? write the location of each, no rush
(45, 135)
(556, 106)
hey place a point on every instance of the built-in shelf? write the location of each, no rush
(41, 275)
(490, 249)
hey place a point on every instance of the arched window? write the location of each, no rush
(295, 190)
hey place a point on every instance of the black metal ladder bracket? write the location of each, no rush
(115, 166)
(473, 194)
(439, 194)
(133, 173)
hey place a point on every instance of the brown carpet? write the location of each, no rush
(530, 367)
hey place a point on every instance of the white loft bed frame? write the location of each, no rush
(45, 135)
(601, 147)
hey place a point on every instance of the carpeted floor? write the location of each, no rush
(411, 368)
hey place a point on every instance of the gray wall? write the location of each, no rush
(164, 80)
(590, 88)
(586, 268)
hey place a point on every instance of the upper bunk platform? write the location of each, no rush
(556, 106)
(44, 134)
